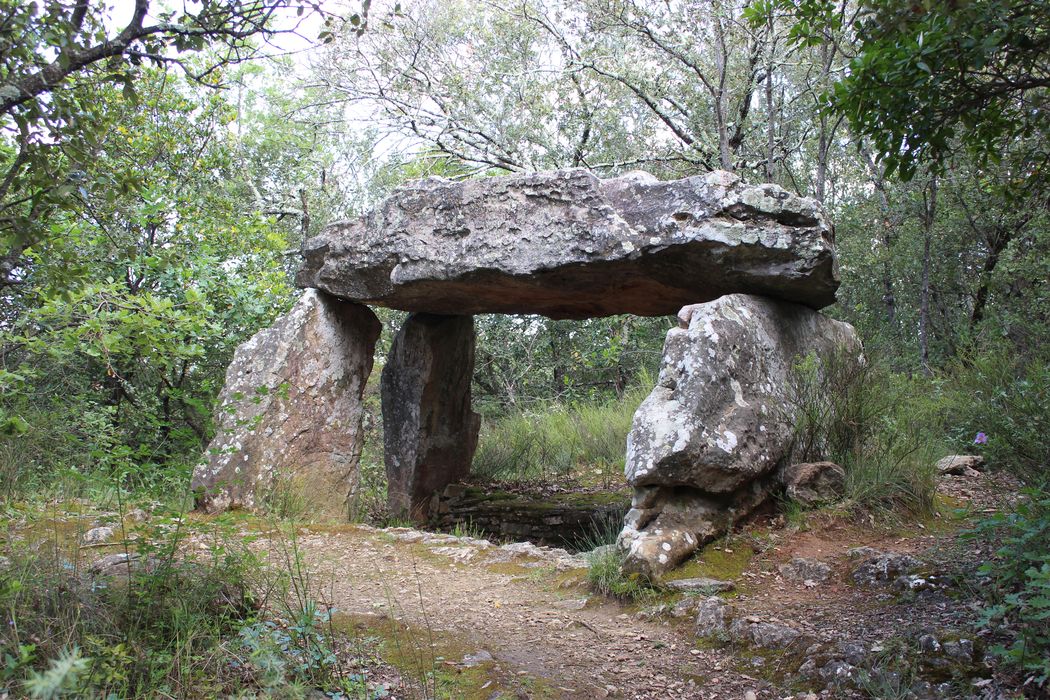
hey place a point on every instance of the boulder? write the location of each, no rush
(813, 483)
(712, 617)
(429, 429)
(805, 570)
(290, 412)
(960, 465)
(766, 635)
(705, 445)
(98, 535)
(566, 244)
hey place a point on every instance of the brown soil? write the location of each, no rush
(527, 615)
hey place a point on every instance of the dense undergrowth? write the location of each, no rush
(183, 610)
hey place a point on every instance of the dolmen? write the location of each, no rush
(745, 267)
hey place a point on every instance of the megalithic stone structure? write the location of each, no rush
(750, 264)
(289, 417)
(429, 429)
(705, 445)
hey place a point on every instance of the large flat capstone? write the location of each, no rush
(566, 244)
(289, 422)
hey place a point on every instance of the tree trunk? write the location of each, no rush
(929, 201)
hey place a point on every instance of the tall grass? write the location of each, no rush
(884, 429)
(556, 439)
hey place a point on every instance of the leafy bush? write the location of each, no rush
(880, 427)
(1019, 594)
(177, 621)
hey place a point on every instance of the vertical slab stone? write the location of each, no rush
(289, 422)
(429, 429)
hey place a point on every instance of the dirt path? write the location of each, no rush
(533, 630)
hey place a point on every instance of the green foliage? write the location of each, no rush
(923, 81)
(156, 626)
(606, 577)
(1007, 398)
(116, 341)
(879, 427)
(557, 440)
(1019, 594)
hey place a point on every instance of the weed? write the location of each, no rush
(606, 577)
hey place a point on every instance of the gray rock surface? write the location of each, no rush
(960, 465)
(568, 245)
(98, 535)
(708, 586)
(884, 568)
(802, 569)
(705, 445)
(813, 483)
(766, 635)
(429, 429)
(290, 412)
(712, 617)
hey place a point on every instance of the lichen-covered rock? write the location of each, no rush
(720, 416)
(290, 412)
(813, 483)
(765, 635)
(884, 568)
(429, 429)
(98, 535)
(802, 569)
(707, 586)
(705, 445)
(665, 525)
(568, 245)
(712, 617)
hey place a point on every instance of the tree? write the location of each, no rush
(931, 78)
(56, 57)
(128, 312)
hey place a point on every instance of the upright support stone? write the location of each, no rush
(704, 446)
(430, 431)
(289, 423)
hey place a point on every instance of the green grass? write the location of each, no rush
(557, 439)
(884, 429)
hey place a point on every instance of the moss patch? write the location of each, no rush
(432, 661)
(714, 561)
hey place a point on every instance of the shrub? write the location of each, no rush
(880, 427)
(1007, 399)
(1019, 594)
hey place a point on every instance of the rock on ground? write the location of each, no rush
(429, 429)
(802, 569)
(960, 465)
(568, 245)
(289, 422)
(812, 483)
(705, 445)
(883, 568)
